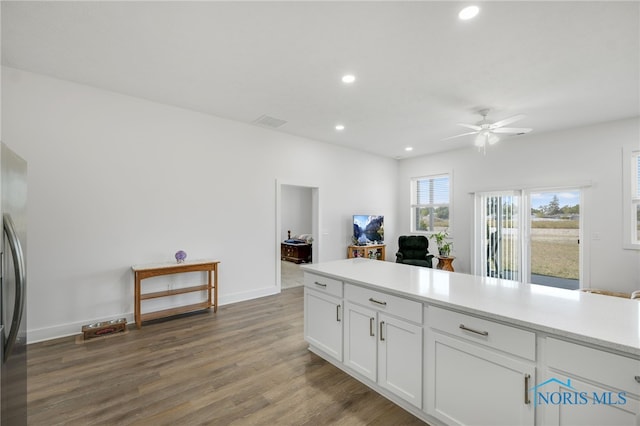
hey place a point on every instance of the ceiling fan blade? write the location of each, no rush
(507, 121)
(457, 136)
(514, 130)
(470, 126)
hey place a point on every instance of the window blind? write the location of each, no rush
(636, 178)
(430, 202)
(499, 241)
(432, 191)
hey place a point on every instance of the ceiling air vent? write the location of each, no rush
(271, 122)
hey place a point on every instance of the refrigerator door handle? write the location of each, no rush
(18, 265)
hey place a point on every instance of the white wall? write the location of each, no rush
(116, 181)
(296, 211)
(590, 154)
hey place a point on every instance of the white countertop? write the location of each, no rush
(606, 321)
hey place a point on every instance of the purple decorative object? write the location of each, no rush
(181, 256)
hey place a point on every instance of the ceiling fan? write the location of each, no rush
(487, 132)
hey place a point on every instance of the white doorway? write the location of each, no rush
(297, 214)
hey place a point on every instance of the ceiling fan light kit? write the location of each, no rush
(486, 132)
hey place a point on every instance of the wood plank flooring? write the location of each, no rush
(248, 364)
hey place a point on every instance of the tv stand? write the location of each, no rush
(371, 251)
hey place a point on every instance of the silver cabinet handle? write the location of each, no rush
(372, 300)
(338, 313)
(381, 326)
(320, 284)
(482, 333)
(371, 321)
(527, 377)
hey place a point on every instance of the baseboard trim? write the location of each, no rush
(71, 329)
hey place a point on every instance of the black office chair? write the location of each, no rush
(414, 250)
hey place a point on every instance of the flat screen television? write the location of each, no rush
(368, 229)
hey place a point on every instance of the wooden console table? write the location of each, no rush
(153, 270)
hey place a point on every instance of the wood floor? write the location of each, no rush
(245, 365)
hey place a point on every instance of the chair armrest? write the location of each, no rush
(399, 257)
(430, 260)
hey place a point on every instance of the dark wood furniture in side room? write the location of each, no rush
(295, 252)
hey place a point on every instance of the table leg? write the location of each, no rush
(215, 288)
(137, 301)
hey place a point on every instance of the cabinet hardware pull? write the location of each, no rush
(526, 389)
(637, 379)
(320, 284)
(482, 333)
(372, 300)
(381, 325)
(338, 313)
(371, 320)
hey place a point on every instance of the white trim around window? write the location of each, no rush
(431, 206)
(631, 197)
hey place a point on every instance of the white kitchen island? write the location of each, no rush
(459, 349)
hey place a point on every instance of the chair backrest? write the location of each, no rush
(413, 246)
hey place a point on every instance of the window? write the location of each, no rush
(631, 187)
(430, 203)
(635, 198)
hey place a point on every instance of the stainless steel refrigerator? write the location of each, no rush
(13, 296)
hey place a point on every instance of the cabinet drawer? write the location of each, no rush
(392, 305)
(613, 370)
(509, 339)
(323, 284)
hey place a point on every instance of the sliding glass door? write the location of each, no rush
(529, 236)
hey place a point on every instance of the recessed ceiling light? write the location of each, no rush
(339, 127)
(468, 12)
(409, 148)
(348, 78)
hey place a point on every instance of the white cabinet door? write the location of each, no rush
(470, 385)
(400, 358)
(361, 332)
(323, 322)
(588, 386)
(568, 401)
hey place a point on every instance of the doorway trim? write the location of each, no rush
(315, 224)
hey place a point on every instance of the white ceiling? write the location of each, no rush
(420, 70)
